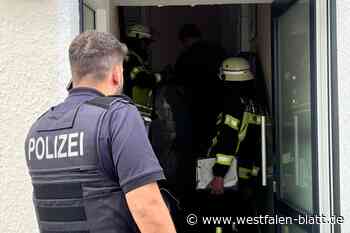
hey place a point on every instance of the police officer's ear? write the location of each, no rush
(117, 75)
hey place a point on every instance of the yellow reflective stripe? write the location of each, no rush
(135, 71)
(248, 118)
(218, 230)
(242, 131)
(232, 122)
(244, 173)
(244, 127)
(237, 147)
(253, 118)
(214, 141)
(142, 67)
(224, 159)
(229, 121)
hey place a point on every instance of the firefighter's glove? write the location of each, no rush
(217, 185)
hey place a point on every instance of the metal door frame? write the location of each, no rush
(334, 111)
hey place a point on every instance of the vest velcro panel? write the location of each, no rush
(61, 214)
(58, 191)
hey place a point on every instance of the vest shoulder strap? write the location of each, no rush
(106, 102)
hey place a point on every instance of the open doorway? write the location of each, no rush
(239, 30)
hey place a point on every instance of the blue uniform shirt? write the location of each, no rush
(126, 154)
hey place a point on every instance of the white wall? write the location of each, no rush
(34, 69)
(343, 40)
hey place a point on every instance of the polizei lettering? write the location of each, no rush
(56, 147)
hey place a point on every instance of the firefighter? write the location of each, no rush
(140, 80)
(238, 138)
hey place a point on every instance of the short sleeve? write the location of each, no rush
(135, 162)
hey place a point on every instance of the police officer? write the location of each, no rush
(140, 79)
(238, 137)
(91, 164)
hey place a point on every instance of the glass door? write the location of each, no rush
(296, 175)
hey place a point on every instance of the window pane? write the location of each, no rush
(295, 106)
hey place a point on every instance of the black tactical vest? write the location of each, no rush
(71, 192)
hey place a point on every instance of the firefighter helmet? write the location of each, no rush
(139, 32)
(235, 69)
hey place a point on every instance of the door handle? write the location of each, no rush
(263, 151)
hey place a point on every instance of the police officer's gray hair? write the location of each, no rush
(95, 53)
